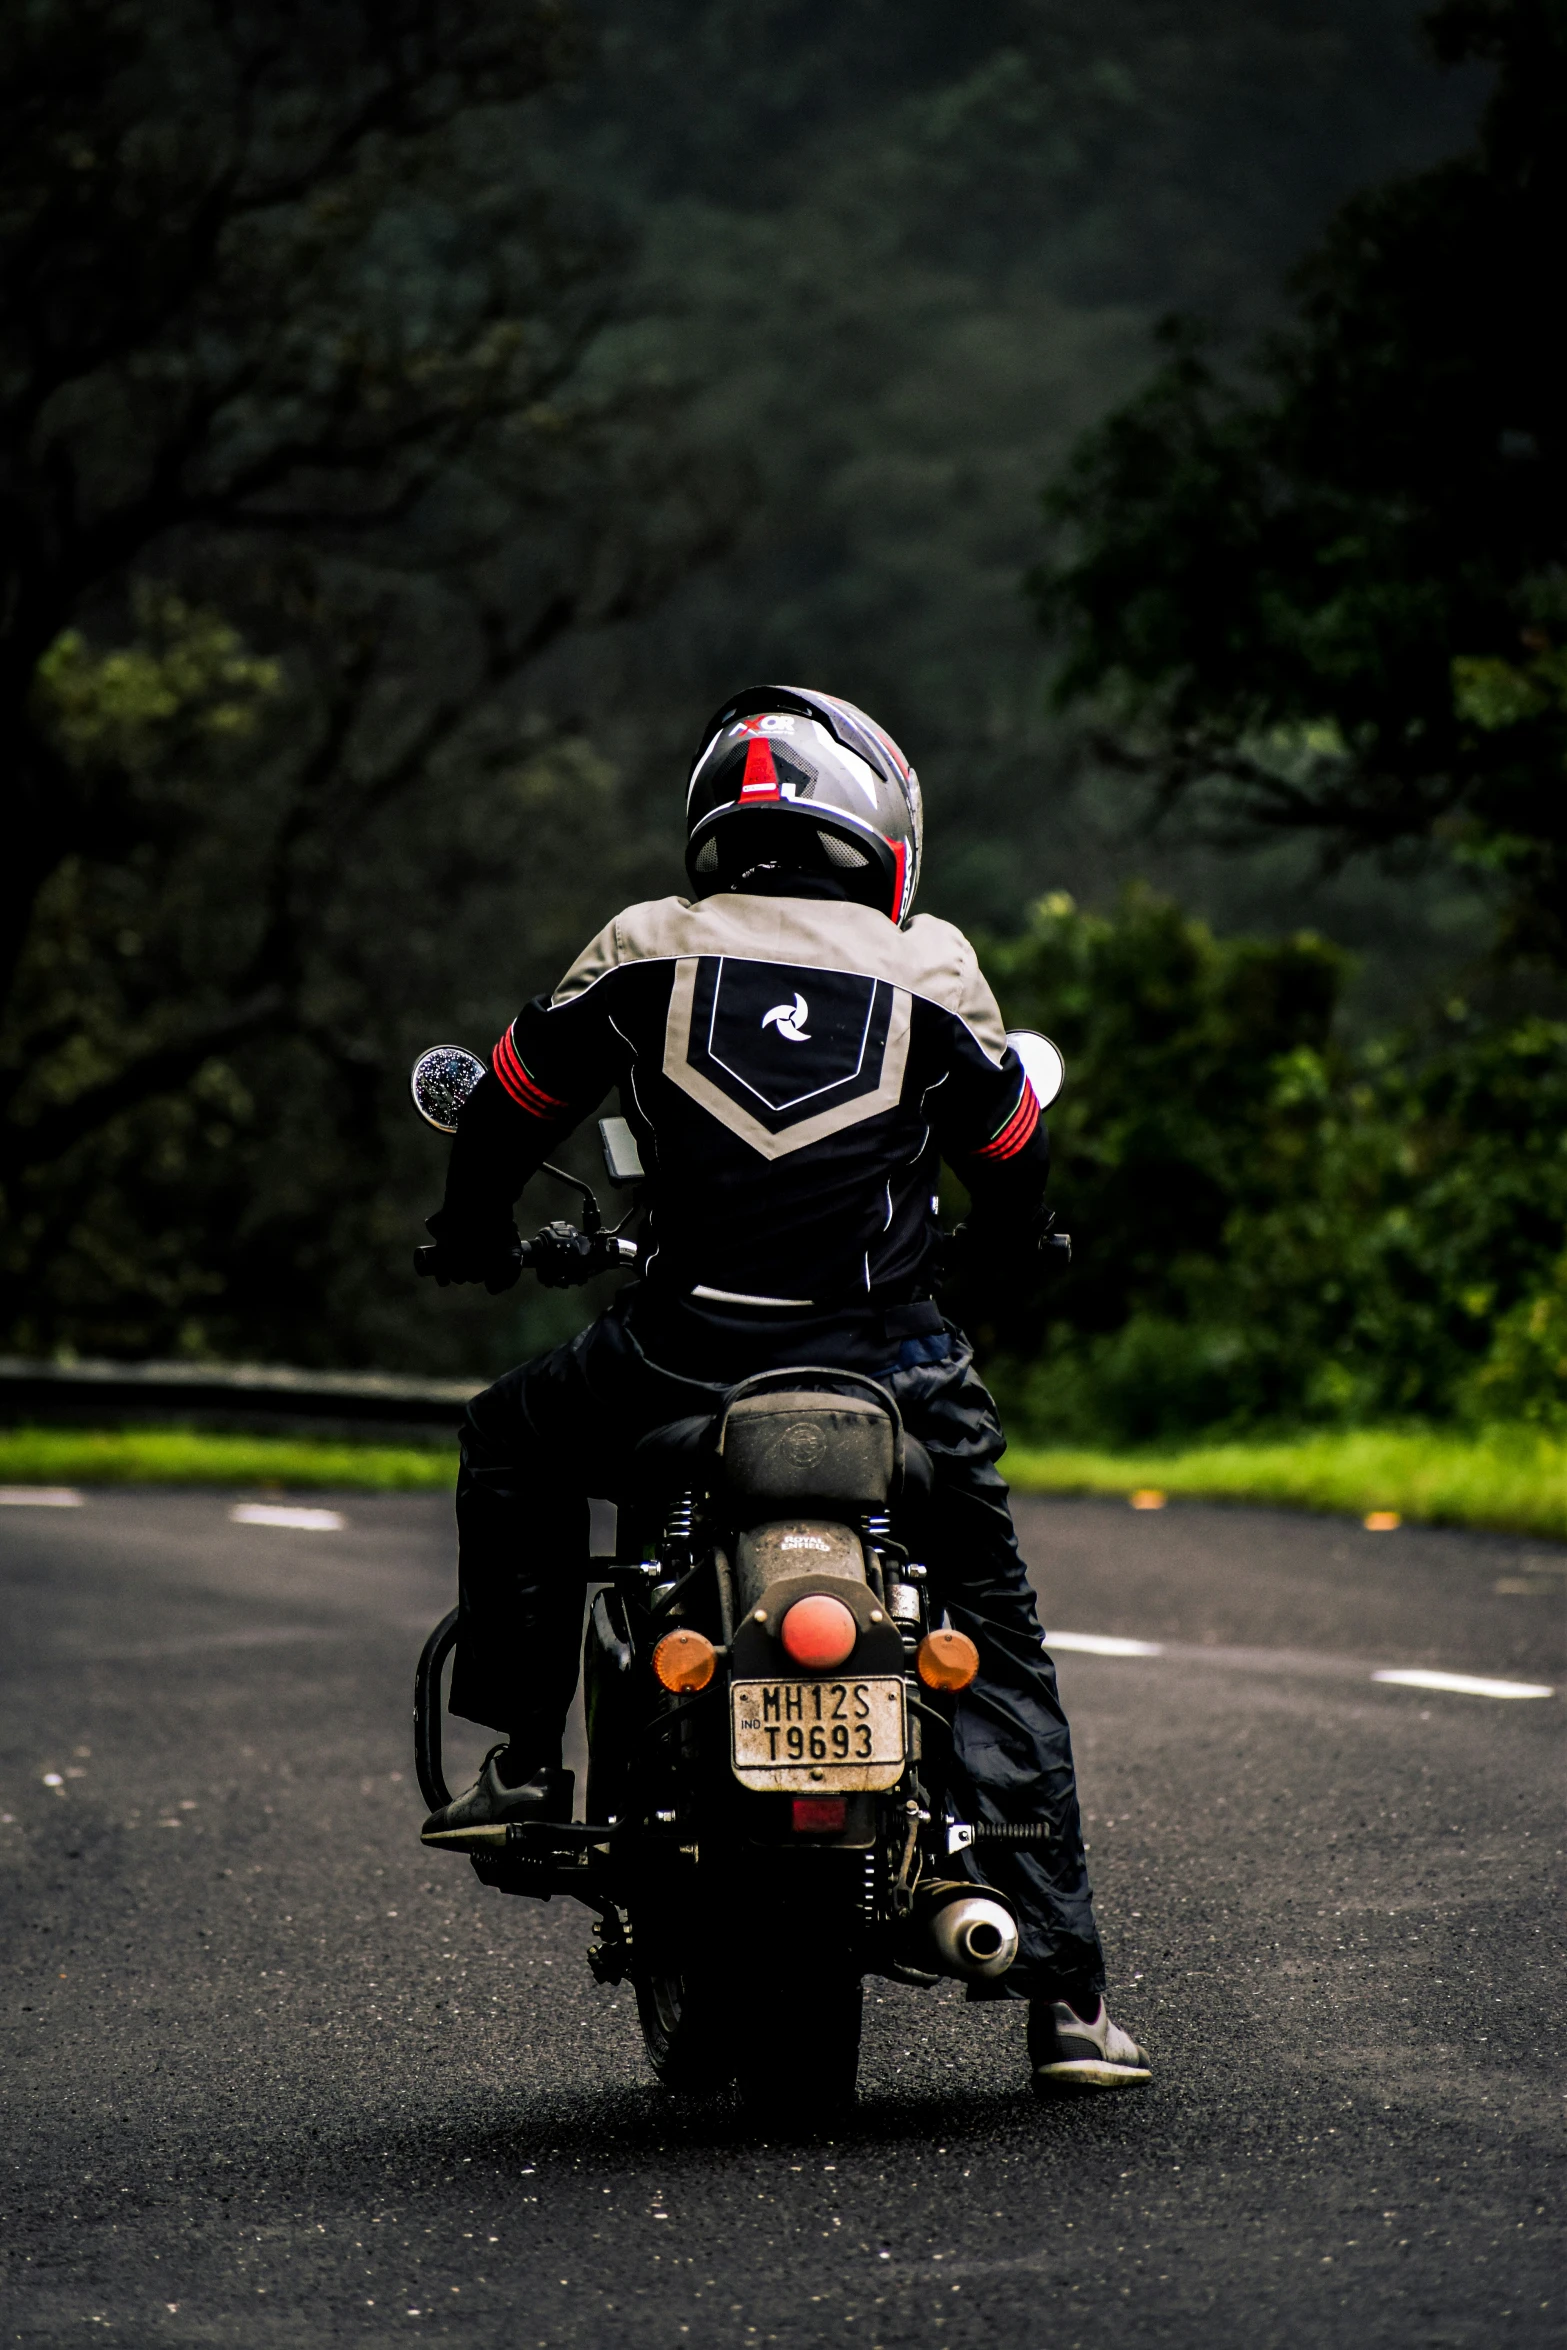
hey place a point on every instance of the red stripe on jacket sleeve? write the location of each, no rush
(524, 1091)
(1015, 1133)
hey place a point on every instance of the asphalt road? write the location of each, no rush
(276, 2077)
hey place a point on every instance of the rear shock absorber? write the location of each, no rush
(676, 1552)
(876, 1533)
(906, 1603)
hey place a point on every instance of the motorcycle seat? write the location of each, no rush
(874, 1460)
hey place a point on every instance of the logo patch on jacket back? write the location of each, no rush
(781, 1055)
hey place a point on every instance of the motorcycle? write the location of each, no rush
(769, 1695)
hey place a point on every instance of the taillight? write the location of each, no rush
(818, 1631)
(820, 1815)
(684, 1661)
(947, 1660)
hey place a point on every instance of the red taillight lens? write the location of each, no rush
(685, 1660)
(820, 1815)
(819, 1631)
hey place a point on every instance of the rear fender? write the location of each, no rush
(609, 1701)
(785, 1549)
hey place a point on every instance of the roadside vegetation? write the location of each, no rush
(437, 560)
(1274, 1226)
(1510, 1478)
(185, 1456)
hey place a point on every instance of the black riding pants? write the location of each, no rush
(546, 1436)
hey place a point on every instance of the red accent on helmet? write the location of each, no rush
(819, 1630)
(760, 780)
(811, 775)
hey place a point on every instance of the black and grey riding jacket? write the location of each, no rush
(794, 1067)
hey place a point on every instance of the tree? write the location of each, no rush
(1268, 1225)
(301, 476)
(1331, 596)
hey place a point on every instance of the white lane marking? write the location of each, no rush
(266, 1513)
(1103, 1644)
(40, 1497)
(1464, 1684)
(1285, 1660)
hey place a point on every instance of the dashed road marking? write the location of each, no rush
(1462, 1684)
(1290, 1660)
(266, 1513)
(40, 1497)
(1103, 1644)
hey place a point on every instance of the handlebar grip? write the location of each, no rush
(425, 1257)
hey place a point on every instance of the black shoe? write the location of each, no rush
(1068, 2054)
(478, 1820)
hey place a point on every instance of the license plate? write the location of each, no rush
(809, 1737)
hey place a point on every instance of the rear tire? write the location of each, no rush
(687, 2027)
(798, 2049)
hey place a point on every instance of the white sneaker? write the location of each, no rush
(1068, 2054)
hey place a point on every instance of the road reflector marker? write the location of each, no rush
(41, 1497)
(1147, 1497)
(1382, 1521)
(1462, 1684)
(1103, 1644)
(266, 1513)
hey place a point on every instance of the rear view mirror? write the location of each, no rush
(622, 1159)
(441, 1082)
(1042, 1063)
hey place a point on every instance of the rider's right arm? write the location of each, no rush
(553, 1064)
(496, 1148)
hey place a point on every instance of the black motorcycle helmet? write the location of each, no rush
(799, 782)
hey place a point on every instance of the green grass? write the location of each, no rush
(185, 1456)
(1512, 1478)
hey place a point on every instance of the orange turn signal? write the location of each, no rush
(947, 1660)
(685, 1660)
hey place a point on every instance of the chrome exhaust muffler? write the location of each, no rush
(973, 1936)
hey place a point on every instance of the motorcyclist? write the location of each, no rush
(795, 1052)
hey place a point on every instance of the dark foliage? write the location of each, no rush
(300, 479)
(1268, 1227)
(1333, 599)
(371, 380)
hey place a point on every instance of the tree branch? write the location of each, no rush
(43, 1140)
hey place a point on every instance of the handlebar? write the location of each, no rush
(565, 1258)
(572, 1257)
